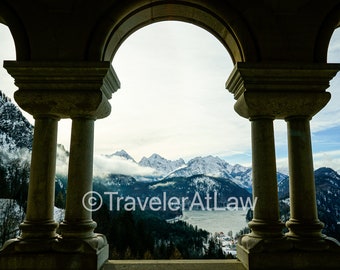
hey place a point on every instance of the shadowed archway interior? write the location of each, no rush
(63, 70)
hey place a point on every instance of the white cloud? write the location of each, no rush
(329, 159)
(334, 47)
(103, 165)
(62, 167)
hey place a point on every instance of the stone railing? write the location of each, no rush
(174, 265)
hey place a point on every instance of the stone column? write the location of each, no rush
(294, 92)
(78, 221)
(49, 91)
(303, 220)
(266, 221)
(305, 229)
(255, 104)
(39, 221)
(266, 226)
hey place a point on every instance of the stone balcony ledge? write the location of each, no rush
(174, 265)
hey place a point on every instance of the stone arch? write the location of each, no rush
(225, 23)
(11, 20)
(331, 22)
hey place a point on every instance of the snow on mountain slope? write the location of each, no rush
(15, 130)
(161, 165)
(123, 154)
(210, 166)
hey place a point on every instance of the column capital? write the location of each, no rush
(280, 90)
(280, 105)
(280, 77)
(64, 89)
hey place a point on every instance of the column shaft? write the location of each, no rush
(265, 221)
(78, 220)
(304, 220)
(39, 222)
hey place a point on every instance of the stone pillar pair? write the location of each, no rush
(39, 222)
(51, 91)
(265, 92)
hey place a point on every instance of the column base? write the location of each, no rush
(38, 230)
(307, 235)
(78, 230)
(314, 244)
(89, 253)
(294, 259)
(256, 244)
(305, 229)
(266, 229)
(264, 254)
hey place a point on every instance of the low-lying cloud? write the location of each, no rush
(105, 165)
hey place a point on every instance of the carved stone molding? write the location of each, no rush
(64, 89)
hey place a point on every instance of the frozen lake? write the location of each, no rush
(217, 221)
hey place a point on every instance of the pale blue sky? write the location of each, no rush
(173, 102)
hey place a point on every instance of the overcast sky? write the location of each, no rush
(173, 101)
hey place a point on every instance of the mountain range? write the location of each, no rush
(209, 166)
(154, 175)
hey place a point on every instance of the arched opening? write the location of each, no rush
(173, 103)
(7, 52)
(14, 155)
(9, 18)
(225, 24)
(326, 123)
(185, 76)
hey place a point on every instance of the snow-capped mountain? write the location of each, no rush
(118, 180)
(123, 154)
(161, 168)
(242, 176)
(216, 167)
(15, 130)
(161, 165)
(210, 166)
